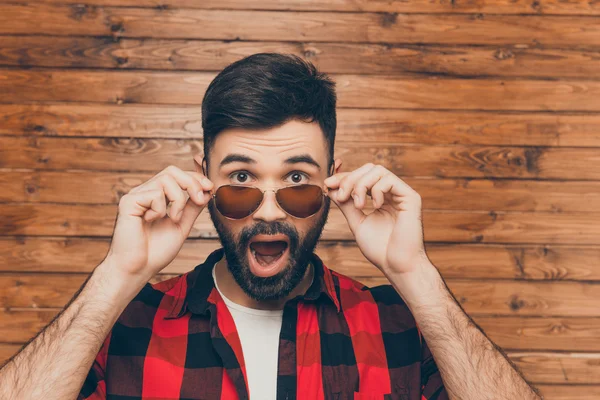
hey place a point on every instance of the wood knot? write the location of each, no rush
(309, 53)
(535, 4)
(503, 54)
(515, 303)
(532, 157)
(117, 28)
(78, 11)
(121, 60)
(30, 188)
(389, 19)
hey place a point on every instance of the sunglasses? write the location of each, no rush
(238, 201)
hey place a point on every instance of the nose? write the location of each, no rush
(269, 210)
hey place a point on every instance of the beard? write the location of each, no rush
(281, 284)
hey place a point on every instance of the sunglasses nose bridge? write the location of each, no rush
(269, 209)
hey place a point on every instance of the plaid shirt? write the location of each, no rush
(340, 340)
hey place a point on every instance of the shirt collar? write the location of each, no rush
(197, 290)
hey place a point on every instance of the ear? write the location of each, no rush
(199, 164)
(336, 165)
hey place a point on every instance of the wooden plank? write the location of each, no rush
(554, 368)
(491, 297)
(514, 333)
(405, 160)
(455, 261)
(440, 226)
(538, 367)
(91, 187)
(548, 299)
(546, 7)
(200, 55)
(542, 333)
(354, 125)
(358, 91)
(290, 25)
(570, 392)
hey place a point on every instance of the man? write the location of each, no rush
(263, 318)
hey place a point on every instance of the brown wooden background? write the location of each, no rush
(488, 108)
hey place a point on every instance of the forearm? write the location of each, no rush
(55, 364)
(471, 366)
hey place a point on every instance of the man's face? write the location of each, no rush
(268, 252)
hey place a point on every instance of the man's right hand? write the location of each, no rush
(147, 236)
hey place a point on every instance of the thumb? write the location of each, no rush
(190, 213)
(353, 215)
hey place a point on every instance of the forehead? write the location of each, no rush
(272, 146)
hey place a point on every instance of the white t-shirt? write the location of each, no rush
(259, 334)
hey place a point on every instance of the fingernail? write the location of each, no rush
(201, 195)
(205, 182)
(340, 193)
(355, 197)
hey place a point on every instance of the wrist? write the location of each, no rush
(114, 284)
(422, 286)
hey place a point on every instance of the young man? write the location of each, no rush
(263, 318)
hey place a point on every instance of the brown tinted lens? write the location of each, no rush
(237, 202)
(300, 201)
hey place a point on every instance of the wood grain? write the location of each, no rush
(544, 7)
(493, 297)
(358, 91)
(91, 187)
(370, 126)
(569, 392)
(405, 160)
(290, 25)
(553, 368)
(511, 332)
(347, 58)
(538, 367)
(455, 261)
(440, 226)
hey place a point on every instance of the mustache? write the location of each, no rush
(268, 228)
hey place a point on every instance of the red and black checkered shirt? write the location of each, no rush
(340, 340)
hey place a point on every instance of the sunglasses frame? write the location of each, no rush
(214, 196)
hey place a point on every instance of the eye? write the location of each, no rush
(240, 177)
(298, 177)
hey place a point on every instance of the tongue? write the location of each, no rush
(268, 252)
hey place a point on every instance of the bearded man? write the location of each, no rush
(262, 317)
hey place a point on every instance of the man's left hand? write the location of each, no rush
(390, 237)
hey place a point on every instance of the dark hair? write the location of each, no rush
(266, 90)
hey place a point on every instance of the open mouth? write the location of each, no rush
(268, 254)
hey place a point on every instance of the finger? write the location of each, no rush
(190, 213)
(174, 194)
(399, 191)
(353, 215)
(194, 183)
(364, 184)
(333, 181)
(347, 183)
(150, 205)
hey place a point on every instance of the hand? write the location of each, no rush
(147, 237)
(391, 237)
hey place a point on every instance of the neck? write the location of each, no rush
(234, 292)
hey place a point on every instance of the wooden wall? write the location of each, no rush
(488, 108)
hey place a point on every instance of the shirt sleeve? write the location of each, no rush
(432, 387)
(94, 387)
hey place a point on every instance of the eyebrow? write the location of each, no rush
(232, 158)
(302, 158)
